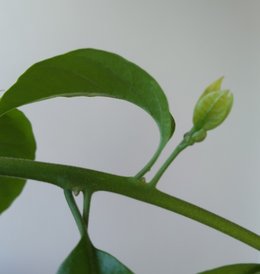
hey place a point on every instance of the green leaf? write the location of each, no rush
(110, 265)
(235, 269)
(16, 140)
(80, 261)
(91, 72)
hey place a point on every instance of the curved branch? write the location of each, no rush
(65, 176)
(163, 200)
(75, 178)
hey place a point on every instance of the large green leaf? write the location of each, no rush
(91, 72)
(16, 140)
(100, 262)
(235, 269)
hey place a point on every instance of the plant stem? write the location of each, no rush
(87, 194)
(75, 212)
(149, 165)
(155, 197)
(166, 164)
(90, 250)
(79, 178)
(64, 176)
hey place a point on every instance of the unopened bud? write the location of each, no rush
(215, 86)
(212, 107)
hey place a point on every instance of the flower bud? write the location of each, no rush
(215, 86)
(212, 107)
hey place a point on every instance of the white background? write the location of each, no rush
(185, 45)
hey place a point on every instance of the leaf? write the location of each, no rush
(16, 140)
(110, 265)
(91, 72)
(80, 261)
(77, 261)
(235, 269)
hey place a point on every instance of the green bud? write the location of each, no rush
(212, 107)
(215, 86)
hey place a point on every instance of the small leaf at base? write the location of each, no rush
(101, 262)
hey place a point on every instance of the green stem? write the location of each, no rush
(166, 164)
(82, 224)
(90, 250)
(75, 212)
(149, 165)
(69, 177)
(87, 194)
(155, 197)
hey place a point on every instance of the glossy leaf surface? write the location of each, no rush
(91, 72)
(110, 265)
(16, 140)
(235, 269)
(100, 263)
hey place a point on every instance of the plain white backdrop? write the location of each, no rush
(185, 45)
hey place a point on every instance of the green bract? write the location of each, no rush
(199, 136)
(212, 107)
